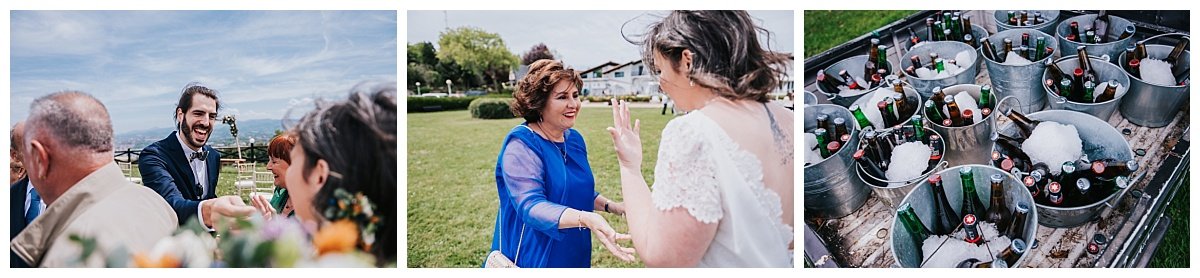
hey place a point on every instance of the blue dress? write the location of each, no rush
(536, 181)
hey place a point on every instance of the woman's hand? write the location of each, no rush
(608, 236)
(616, 208)
(626, 138)
(263, 205)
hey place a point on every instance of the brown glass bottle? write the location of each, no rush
(998, 211)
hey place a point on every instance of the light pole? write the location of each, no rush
(449, 90)
(418, 88)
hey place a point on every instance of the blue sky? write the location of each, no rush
(582, 39)
(262, 62)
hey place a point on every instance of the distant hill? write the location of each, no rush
(262, 130)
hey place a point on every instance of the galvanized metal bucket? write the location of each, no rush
(970, 144)
(1100, 140)
(1155, 105)
(1116, 26)
(947, 50)
(976, 31)
(892, 192)
(855, 66)
(1001, 19)
(1104, 71)
(809, 98)
(829, 190)
(1022, 82)
(907, 253)
(910, 95)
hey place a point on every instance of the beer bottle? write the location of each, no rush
(970, 201)
(1012, 18)
(998, 212)
(861, 118)
(1073, 29)
(985, 96)
(828, 83)
(966, 24)
(1128, 32)
(1055, 72)
(935, 114)
(840, 129)
(918, 124)
(883, 147)
(935, 145)
(952, 108)
(989, 50)
(1031, 183)
(901, 100)
(1054, 196)
(1012, 147)
(939, 64)
(916, 61)
(939, 99)
(823, 122)
(833, 147)
(881, 63)
(945, 220)
(1024, 17)
(1010, 255)
(970, 40)
(972, 263)
(1041, 49)
(997, 157)
(1024, 125)
(1085, 63)
(1090, 36)
(1016, 228)
(912, 37)
(1108, 170)
(1068, 174)
(1089, 90)
(871, 167)
(851, 82)
(822, 141)
(889, 119)
(930, 30)
(1140, 50)
(1110, 92)
(1134, 67)
(968, 117)
(972, 230)
(1008, 47)
(937, 35)
(1083, 189)
(1101, 25)
(912, 223)
(1173, 58)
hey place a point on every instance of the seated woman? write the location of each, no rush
(546, 189)
(345, 156)
(278, 151)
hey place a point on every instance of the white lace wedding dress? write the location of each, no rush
(701, 169)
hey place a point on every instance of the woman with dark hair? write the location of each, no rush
(343, 168)
(724, 178)
(279, 158)
(546, 189)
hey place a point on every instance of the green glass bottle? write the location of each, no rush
(860, 117)
(985, 96)
(971, 203)
(912, 223)
(1041, 49)
(1089, 90)
(821, 133)
(919, 128)
(933, 112)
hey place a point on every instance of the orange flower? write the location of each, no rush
(166, 261)
(339, 237)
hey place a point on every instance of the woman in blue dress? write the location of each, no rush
(543, 180)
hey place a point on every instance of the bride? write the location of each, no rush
(723, 184)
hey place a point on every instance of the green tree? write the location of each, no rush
(537, 52)
(477, 51)
(422, 53)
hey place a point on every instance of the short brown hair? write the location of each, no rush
(281, 147)
(534, 89)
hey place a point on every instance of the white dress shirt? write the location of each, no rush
(200, 171)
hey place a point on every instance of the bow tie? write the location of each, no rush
(201, 155)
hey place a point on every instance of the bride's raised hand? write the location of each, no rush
(626, 137)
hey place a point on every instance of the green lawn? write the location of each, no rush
(1175, 247)
(452, 190)
(825, 29)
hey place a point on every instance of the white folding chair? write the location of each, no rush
(127, 169)
(245, 178)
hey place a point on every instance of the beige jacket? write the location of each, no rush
(103, 206)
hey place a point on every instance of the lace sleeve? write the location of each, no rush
(684, 176)
(526, 188)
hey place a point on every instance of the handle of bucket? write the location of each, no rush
(1002, 101)
(1185, 36)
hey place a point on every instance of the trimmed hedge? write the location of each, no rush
(434, 104)
(491, 108)
(624, 98)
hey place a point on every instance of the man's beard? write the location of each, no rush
(187, 134)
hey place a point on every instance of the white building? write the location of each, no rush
(633, 78)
